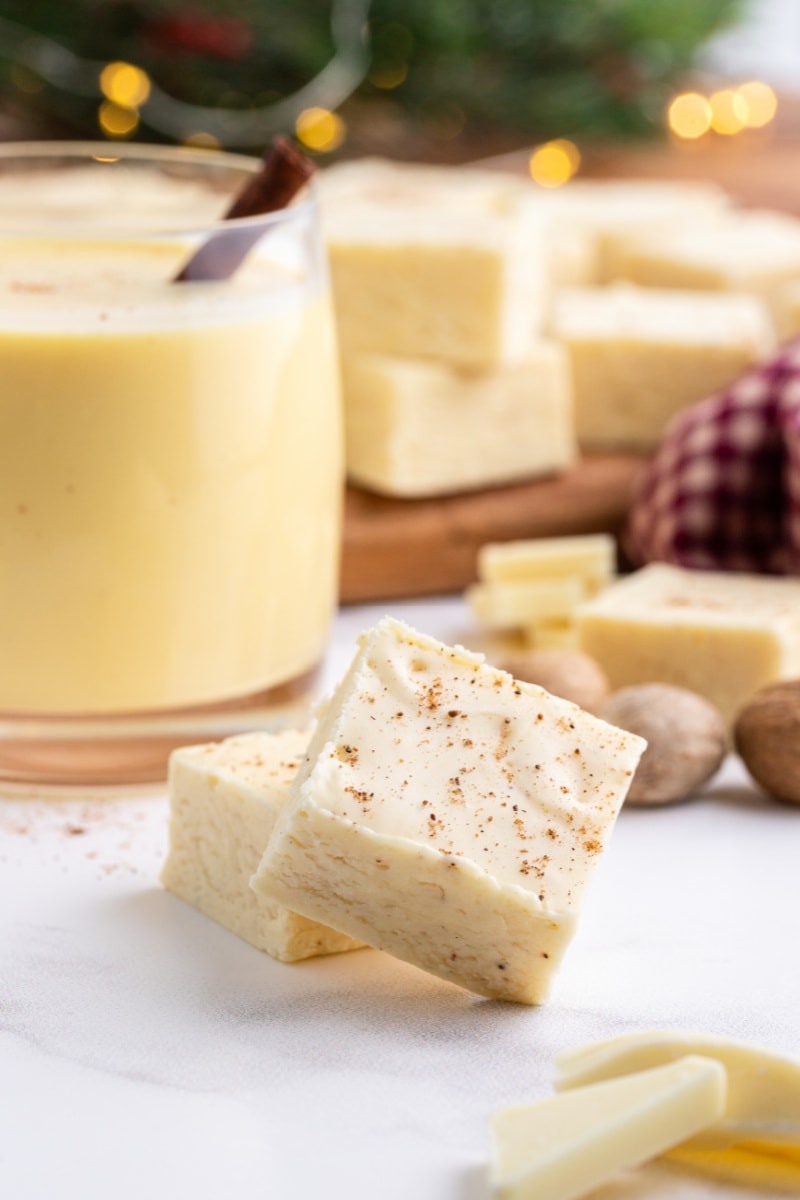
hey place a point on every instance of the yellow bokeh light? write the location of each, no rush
(124, 84)
(728, 112)
(319, 129)
(689, 115)
(200, 140)
(389, 77)
(116, 121)
(554, 163)
(761, 102)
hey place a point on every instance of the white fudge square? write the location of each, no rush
(449, 815)
(756, 251)
(721, 634)
(641, 355)
(224, 798)
(434, 263)
(417, 428)
(589, 217)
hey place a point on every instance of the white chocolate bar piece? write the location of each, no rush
(640, 355)
(564, 1147)
(519, 602)
(225, 797)
(589, 556)
(763, 1101)
(449, 815)
(416, 428)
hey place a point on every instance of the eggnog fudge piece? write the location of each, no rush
(439, 264)
(449, 815)
(640, 355)
(566, 1146)
(417, 428)
(747, 251)
(588, 216)
(721, 635)
(224, 798)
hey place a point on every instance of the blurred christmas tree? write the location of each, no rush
(450, 70)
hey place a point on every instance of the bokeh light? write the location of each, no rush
(689, 115)
(554, 163)
(728, 111)
(200, 140)
(124, 84)
(117, 121)
(389, 77)
(319, 129)
(761, 102)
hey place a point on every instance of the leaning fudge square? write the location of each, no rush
(418, 428)
(723, 635)
(449, 815)
(435, 263)
(224, 799)
(641, 355)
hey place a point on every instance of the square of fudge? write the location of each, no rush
(755, 251)
(224, 800)
(434, 262)
(641, 355)
(418, 428)
(588, 217)
(723, 635)
(449, 815)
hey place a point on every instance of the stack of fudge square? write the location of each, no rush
(490, 329)
(440, 810)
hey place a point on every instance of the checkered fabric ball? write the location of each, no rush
(723, 488)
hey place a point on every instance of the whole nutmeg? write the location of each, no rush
(686, 739)
(767, 736)
(570, 674)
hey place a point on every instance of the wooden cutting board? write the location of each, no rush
(405, 548)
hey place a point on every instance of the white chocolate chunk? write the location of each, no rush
(417, 428)
(641, 355)
(434, 263)
(763, 1102)
(449, 815)
(568, 1145)
(520, 602)
(552, 634)
(723, 635)
(225, 797)
(591, 557)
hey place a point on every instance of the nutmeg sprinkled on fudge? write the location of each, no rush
(487, 841)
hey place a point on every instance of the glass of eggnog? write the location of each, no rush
(170, 462)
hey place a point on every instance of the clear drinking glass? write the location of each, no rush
(170, 463)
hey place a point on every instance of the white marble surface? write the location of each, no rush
(145, 1052)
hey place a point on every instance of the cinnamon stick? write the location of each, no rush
(284, 171)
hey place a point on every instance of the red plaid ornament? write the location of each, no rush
(722, 490)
